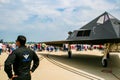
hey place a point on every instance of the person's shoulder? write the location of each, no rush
(29, 50)
(15, 51)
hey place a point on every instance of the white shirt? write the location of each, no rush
(1, 45)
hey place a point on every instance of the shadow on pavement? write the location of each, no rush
(90, 63)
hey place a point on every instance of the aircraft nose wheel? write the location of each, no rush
(108, 56)
(69, 54)
(104, 63)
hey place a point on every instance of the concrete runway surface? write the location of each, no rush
(84, 65)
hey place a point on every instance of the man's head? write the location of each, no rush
(21, 40)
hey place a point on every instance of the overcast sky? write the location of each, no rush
(46, 20)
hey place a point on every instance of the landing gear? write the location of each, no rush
(69, 51)
(106, 55)
(109, 47)
(104, 63)
(69, 54)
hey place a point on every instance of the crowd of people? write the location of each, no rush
(42, 47)
(8, 48)
(5, 47)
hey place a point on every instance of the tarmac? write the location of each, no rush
(84, 65)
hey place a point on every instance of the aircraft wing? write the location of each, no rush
(55, 43)
(91, 42)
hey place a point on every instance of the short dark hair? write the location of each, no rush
(21, 39)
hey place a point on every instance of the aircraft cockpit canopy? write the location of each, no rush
(83, 33)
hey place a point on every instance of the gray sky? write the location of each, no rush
(46, 20)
